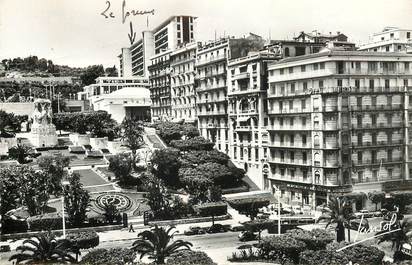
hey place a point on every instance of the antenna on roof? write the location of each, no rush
(215, 34)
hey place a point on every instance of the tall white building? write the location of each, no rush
(391, 39)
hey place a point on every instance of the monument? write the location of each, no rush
(43, 131)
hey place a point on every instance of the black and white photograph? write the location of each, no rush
(213, 132)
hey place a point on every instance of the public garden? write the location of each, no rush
(101, 177)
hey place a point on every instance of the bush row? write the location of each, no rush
(84, 240)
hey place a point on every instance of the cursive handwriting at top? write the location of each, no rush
(125, 13)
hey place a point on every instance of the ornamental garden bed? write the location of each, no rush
(189, 220)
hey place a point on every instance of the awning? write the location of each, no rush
(242, 119)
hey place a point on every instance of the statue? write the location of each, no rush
(43, 131)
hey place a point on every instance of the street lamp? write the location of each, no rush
(64, 183)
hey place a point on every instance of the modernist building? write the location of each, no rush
(130, 102)
(167, 36)
(391, 39)
(106, 85)
(159, 79)
(338, 122)
(212, 89)
(183, 96)
(247, 104)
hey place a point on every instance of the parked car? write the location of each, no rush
(4, 247)
(217, 228)
(238, 228)
(247, 236)
(355, 223)
(195, 230)
(263, 216)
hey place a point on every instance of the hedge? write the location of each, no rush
(211, 208)
(357, 254)
(85, 239)
(189, 257)
(48, 221)
(315, 240)
(195, 143)
(112, 256)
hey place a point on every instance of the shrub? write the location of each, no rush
(112, 256)
(84, 240)
(315, 240)
(211, 208)
(10, 225)
(195, 143)
(189, 257)
(48, 221)
(281, 248)
(358, 254)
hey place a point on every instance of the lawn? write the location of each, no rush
(90, 178)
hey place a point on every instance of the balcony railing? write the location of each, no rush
(241, 76)
(210, 59)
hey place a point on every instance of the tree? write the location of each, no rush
(121, 166)
(9, 124)
(132, 136)
(195, 143)
(158, 198)
(100, 124)
(249, 206)
(376, 197)
(158, 245)
(76, 201)
(44, 248)
(401, 234)
(23, 186)
(110, 212)
(339, 212)
(111, 71)
(187, 257)
(194, 158)
(165, 165)
(221, 175)
(91, 73)
(20, 153)
(54, 167)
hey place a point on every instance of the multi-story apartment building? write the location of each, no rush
(391, 39)
(183, 96)
(159, 80)
(168, 35)
(211, 88)
(338, 122)
(125, 63)
(247, 104)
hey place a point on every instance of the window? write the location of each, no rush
(386, 83)
(282, 138)
(371, 83)
(304, 141)
(292, 140)
(360, 139)
(320, 83)
(373, 100)
(315, 66)
(292, 156)
(372, 66)
(304, 157)
(290, 104)
(358, 66)
(387, 48)
(389, 155)
(303, 105)
(303, 68)
(406, 66)
(322, 65)
(281, 121)
(360, 157)
(357, 83)
(286, 52)
(389, 100)
(390, 171)
(290, 70)
(281, 71)
(392, 35)
(291, 121)
(408, 35)
(282, 156)
(305, 86)
(340, 84)
(292, 88)
(405, 82)
(359, 120)
(359, 101)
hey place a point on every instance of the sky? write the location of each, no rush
(75, 33)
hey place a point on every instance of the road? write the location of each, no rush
(218, 246)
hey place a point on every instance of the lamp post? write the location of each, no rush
(64, 183)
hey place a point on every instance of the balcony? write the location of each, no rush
(289, 145)
(241, 76)
(209, 60)
(381, 125)
(289, 128)
(397, 106)
(330, 126)
(246, 128)
(295, 162)
(287, 111)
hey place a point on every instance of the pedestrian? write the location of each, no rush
(131, 228)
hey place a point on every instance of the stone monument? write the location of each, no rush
(43, 131)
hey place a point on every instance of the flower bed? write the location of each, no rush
(84, 240)
(112, 256)
(189, 257)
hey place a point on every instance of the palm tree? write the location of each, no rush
(157, 244)
(45, 249)
(339, 213)
(402, 233)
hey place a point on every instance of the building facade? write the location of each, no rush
(212, 105)
(183, 94)
(159, 80)
(338, 121)
(391, 39)
(247, 104)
